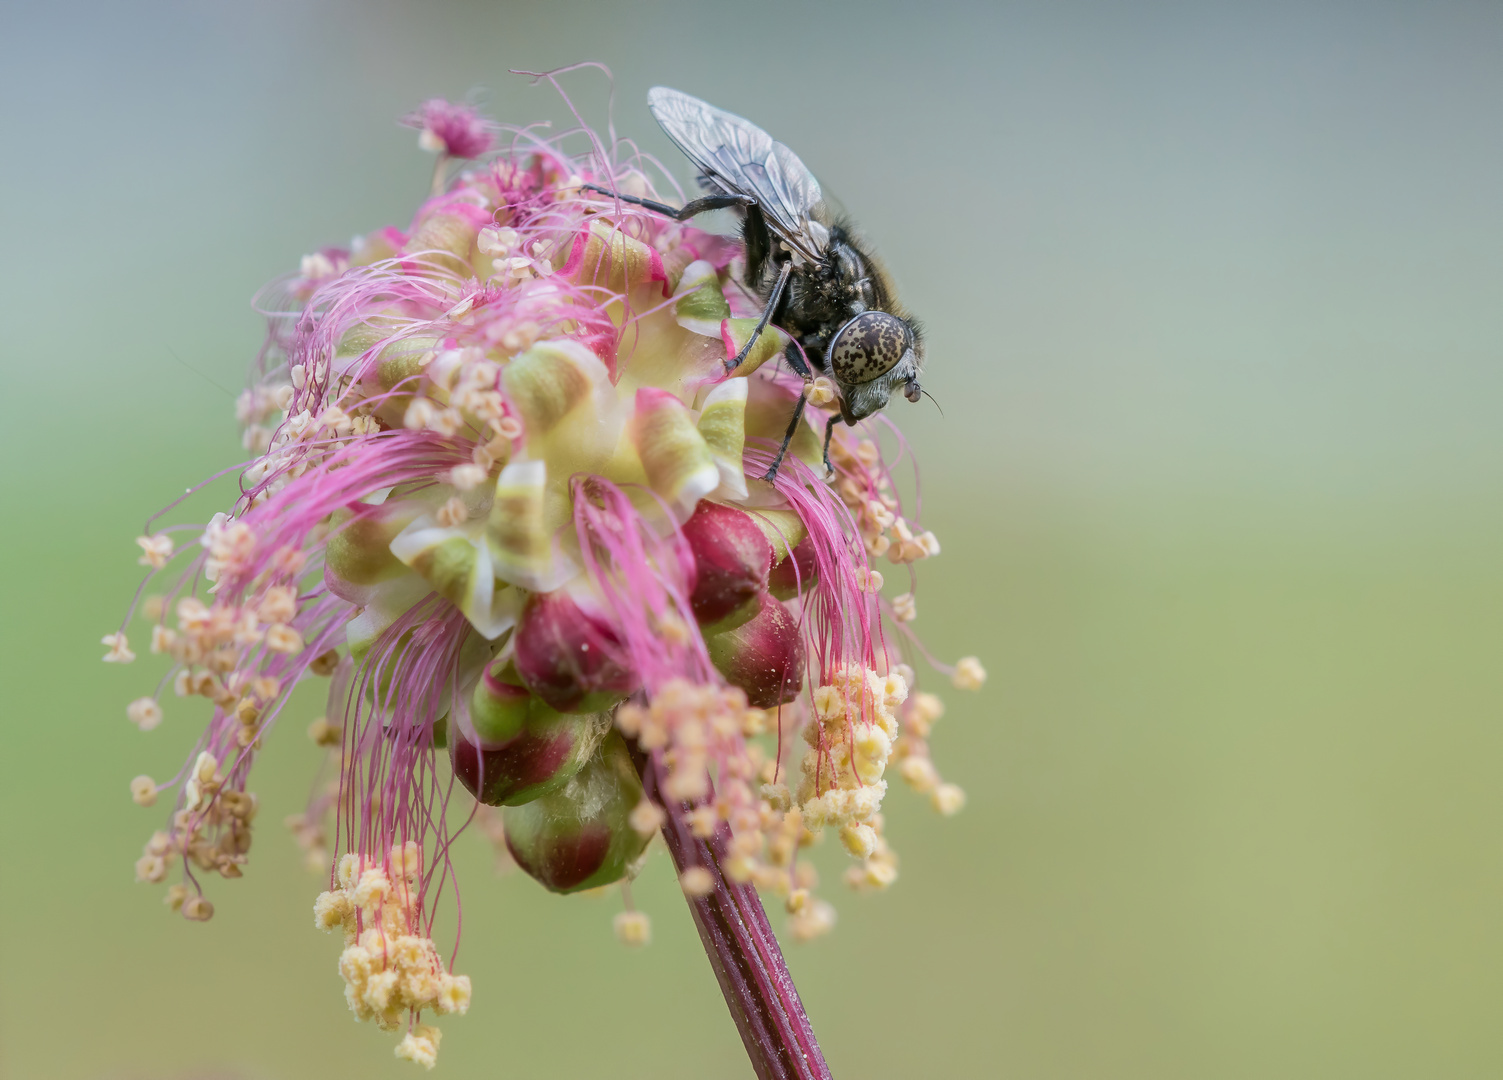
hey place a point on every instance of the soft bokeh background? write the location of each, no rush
(1213, 294)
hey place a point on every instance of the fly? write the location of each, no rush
(817, 280)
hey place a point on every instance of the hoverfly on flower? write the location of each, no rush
(507, 501)
(817, 279)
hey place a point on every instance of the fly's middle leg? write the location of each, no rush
(798, 414)
(677, 213)
(772, 305)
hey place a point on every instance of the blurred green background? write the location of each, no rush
(1213, 302)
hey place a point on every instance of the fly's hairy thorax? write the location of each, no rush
(823, 296)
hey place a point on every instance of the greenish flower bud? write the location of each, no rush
(768, 406)
(448, 240)
(400, 364)
(524, 550)
(512, 748)
(384, 604)
(567, 404)
(498, 705)
(784, 530)
(581, 836)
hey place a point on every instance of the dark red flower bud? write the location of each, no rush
(581, 836)
(764, 657)
(512, 748)
(568, 657)
(731, 558)
(795, 574)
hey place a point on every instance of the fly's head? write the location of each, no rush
(870, 357)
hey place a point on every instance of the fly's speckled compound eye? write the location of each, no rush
(868, 347)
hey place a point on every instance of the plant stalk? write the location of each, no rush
(742, 949)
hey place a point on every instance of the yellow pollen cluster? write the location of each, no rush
(647, 817)
(310, 428)
(389, 968)
(144, 712)
(231, 545)
(697, 881)
(821, 392)
(851, 739)
(212, 830)
(633, 928)
(911, 752)
(119, 647)
(969, 674)
(865, 486)
(155, 550)
(322, 733)
(212, 647)
(457, 394)
(808, 916)
(852, 736)
(697, 727)
(866, 489)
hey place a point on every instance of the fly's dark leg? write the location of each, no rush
(798, 412)
(683, 213)
(795, 357)
(772, 305)
(829, 431)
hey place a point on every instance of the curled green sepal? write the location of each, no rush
(735, 333)
(456, 561)
(699, 303)
(522, 549)
(722, 425)
(567, 405)
(679, 464)
(385, 603)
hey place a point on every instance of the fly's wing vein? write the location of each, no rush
(741, 158)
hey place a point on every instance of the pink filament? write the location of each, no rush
(645, 581)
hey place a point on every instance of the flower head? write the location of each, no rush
(505, 499)
(451, 128)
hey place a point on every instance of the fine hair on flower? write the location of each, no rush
(503, 497)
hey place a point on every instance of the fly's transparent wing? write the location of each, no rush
(742, 158)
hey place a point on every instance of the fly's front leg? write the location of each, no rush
(798, 413)
(829, 431)
(772, 305)
(795, 358)
(680, 213)
(794, 354)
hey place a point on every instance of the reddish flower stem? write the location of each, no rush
(742, 949)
